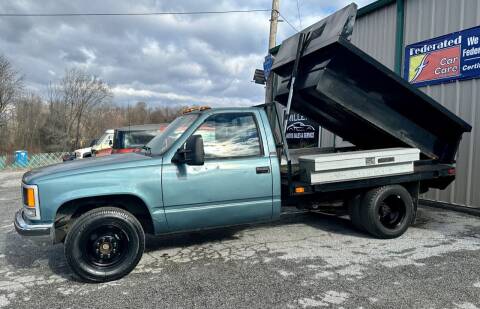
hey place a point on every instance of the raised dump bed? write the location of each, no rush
(351, 94)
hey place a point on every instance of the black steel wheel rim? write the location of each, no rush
(392, 212)
(105, 246)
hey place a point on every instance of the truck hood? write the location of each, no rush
(82, 150)
(85, 166)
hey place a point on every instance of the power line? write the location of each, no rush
(286, 20)
(143, 14)
(130, 14)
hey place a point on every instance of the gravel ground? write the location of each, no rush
(303, 261)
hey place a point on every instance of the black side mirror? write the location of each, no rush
(192, 153)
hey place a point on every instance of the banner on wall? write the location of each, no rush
(444, 59)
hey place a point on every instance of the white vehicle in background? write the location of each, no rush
(104, 142)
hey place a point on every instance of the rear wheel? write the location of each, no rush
(386, 212)
(104, 244)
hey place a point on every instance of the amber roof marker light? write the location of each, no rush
(187, 110)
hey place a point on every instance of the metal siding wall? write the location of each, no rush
(375, 34)
(425, 19)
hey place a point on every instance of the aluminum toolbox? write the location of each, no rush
(346, 166)
(354, 96)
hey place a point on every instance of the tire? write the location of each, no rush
(104, 244)
(354, 205)
(386, 212)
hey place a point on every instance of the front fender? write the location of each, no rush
(141, 182)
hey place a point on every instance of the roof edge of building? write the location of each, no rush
(372, 7)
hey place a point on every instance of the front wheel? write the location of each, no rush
(104, 244)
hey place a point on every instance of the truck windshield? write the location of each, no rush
(161, 143)
(133, 139)
(102, 140)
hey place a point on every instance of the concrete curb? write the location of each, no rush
(451, 207)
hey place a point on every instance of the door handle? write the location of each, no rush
(263, 170)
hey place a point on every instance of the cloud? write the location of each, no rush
(168, 60)
(123, 91)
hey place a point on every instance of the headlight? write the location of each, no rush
(30, 201)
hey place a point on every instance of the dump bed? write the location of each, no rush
(351, 94)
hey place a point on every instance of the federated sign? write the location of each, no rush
(444, 59)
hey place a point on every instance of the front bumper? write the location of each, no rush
(31, 229)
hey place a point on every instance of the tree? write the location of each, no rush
(138, 114)
(73, 98)
(10, 88)
(29, 118)
(10, 84)
(164, 114)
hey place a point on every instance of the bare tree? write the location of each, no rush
(74, 96)
(10, 84)
(10, 87)
(29, 118)
(162, 114)
(77, 109)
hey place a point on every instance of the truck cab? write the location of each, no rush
(104, 143)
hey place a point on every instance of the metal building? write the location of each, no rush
(383, 30)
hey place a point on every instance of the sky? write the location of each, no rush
(161, 60)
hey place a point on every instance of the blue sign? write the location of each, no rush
(444, 59)
(267, 65)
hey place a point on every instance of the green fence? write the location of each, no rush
(34, 160)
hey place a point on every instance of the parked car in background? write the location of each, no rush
(85, 152)
(104, 143)
(133, 138)
(80, 153)
(69, 156)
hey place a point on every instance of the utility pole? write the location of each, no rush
(272, 42)
(273, 24)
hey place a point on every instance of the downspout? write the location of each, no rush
(399, 37)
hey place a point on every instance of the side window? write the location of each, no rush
(230, 135)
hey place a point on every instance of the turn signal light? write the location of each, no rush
(452, 171)
(30, 198)
(299, 190)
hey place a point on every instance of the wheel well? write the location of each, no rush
(72, 210)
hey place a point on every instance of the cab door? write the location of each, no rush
(234, 185)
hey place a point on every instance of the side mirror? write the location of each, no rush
(192, 153)
(110, 142)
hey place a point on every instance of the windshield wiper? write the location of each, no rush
(148, 150)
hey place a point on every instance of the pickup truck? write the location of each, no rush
(213, 168)
(103, 143)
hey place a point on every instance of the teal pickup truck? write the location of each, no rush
(229, 166)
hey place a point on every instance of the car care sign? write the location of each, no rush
(444, 59)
